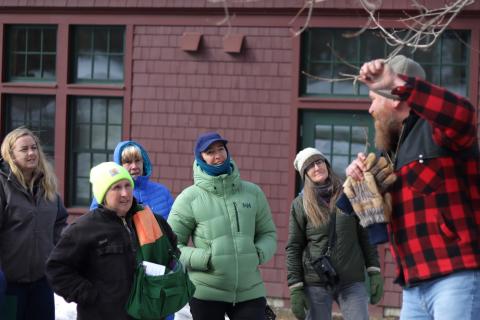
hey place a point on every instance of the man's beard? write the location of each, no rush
(387, 131)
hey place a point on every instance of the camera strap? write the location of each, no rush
(332, 237)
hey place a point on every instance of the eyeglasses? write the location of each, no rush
(317, 163)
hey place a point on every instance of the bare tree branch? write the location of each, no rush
(424, 28)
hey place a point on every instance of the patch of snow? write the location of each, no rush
(64, 310)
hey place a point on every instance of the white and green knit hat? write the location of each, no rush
(104, 175)
(305, 158)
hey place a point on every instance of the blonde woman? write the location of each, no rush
(315, 223)
(31, 219)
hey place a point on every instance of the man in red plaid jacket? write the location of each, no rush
(430, 134)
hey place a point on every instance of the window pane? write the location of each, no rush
(341, 139)
(19, 39)
(82, 136)
(452, 52)
(343, 87)
(84, 67)
(347, 48)
(18, 65)
(115, 111)
(18, 109)
(329, 49)
(315, 85)
(320, 50)
(36, 112)
(359, 139)
(82, 190)
(34, 40)
(434, 74)
(92, 142)
(84, 41)
(428, 56)
(99, 112)
(116, 40)
(455, 79)
(100, 45)
(49, 40)
(323, 138)
(31, 52)
(116, 68)
(369, 48)
(83, 110)
(83, 161)
(99, 158)
(99, 135)
(113, 133)
(339, 163)
(48, 66)
(99, 54)
(33, 66)
(100, 69)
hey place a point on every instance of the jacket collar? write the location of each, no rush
(219, 185)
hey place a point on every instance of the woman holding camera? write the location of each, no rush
(315, 281)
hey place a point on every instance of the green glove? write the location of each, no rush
(376, 286)
(299, 302)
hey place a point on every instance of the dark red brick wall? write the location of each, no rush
(201, 4)
(245, 96)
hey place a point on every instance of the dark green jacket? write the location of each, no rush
(352, 252)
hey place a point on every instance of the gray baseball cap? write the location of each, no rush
(402, 65)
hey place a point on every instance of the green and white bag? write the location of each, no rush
(155, 297)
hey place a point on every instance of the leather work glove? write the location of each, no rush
(376, 286)
(382, 170)
(367, 202)
(299, 302)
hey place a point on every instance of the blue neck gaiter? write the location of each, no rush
(224, 168)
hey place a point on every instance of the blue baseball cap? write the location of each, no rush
(205, 140)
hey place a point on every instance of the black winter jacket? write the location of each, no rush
(30, 225)
(94, 262)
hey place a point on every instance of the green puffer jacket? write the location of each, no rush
(232, 232)
(351, 255)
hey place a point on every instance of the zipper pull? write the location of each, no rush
(126, 225)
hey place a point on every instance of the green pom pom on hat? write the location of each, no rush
(104, 175)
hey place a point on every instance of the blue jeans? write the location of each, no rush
(452, 297)
(352, 299)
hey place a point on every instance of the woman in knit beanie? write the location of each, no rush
(232, 232)
(313, 218)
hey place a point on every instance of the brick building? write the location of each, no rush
(88, 73)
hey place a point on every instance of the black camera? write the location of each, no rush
(323, 266)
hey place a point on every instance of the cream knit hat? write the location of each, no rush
(306, 157)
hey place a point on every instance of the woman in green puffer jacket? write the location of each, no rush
(232, 231)
(351, 254)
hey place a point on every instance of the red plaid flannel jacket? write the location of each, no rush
(435, 227)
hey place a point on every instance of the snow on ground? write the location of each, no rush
(68, 311)
(64, 310)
